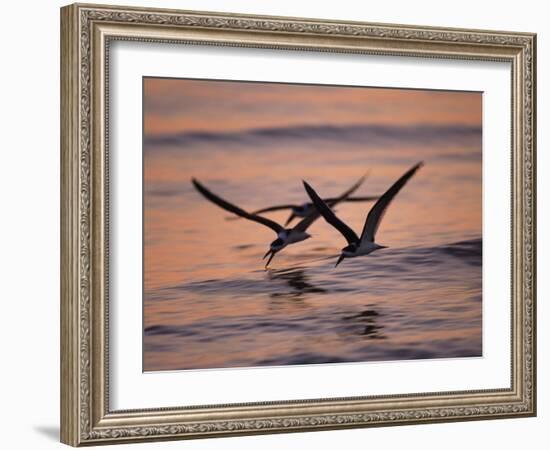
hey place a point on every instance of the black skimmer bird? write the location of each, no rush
(365, 244)
(305, 209)
(285, 236)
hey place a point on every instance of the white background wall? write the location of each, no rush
(29, 224)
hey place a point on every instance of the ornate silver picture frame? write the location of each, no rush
(87, 32)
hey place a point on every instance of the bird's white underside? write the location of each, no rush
(365, 248)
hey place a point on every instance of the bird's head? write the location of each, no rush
(302, 209)
(350, 249)
(347, 252)
(276, 245)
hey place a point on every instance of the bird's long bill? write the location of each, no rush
(271, 254)
(340, 258)
(290, 219)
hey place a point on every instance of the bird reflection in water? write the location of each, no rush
(297, 280)
(368, 321)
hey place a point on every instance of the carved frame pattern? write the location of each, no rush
(86, 418)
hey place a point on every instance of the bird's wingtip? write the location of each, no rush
(307, 186)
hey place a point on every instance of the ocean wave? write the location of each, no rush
(469, 251)
(412, 263)
(403, 303)
(426, 134)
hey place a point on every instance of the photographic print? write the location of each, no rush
(289, 224)
(336, 219)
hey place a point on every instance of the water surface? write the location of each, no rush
(209, 303)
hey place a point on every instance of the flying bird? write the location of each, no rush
(305, 209)
(285, 236)
(365, 244)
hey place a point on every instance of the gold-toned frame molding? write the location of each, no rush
(86, 32)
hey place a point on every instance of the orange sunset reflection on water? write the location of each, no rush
(209, 303)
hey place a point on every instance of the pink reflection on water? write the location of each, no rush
(208, 301)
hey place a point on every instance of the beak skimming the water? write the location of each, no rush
(341, 257)
(271, 254)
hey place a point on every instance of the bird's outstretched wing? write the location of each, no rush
(369, 198)
(267, 209)
(273, 208)
(377, 211)
(329, 215)
(304, 224)
(307, 205)
(235, 209)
